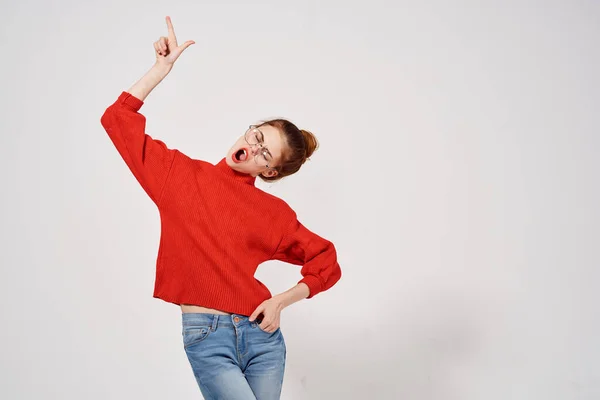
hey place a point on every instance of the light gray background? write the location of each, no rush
(457, 176)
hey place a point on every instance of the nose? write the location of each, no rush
(255, 148)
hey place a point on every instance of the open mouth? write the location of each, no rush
(240, 156)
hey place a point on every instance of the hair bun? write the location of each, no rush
(311, 143)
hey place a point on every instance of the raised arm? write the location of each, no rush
(149, 159)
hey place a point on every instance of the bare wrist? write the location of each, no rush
(281, 300)
(161, 69)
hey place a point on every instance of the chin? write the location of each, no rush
(230, 161)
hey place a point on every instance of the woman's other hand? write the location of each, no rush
(271, 311)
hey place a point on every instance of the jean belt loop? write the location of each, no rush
(215, 321)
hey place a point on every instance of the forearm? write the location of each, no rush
(142, 88)
(297, 293)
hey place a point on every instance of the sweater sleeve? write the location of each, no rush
(318, 257)
(148, 159)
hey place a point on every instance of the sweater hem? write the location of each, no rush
(233, 309)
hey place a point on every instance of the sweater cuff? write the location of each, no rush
(133, 103)
(313, 283)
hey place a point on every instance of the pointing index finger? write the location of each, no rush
(171, 30)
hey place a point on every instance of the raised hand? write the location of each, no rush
(167, 50)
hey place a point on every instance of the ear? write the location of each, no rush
(270, 173)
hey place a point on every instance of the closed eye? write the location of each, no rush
(259, 136)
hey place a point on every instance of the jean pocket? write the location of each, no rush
(276, 331)
(194, 334)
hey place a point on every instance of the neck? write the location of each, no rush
(239, 176)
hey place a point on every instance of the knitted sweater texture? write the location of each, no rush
(216, 225)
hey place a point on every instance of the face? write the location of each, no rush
(251, 158)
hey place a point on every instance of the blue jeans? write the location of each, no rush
(233, 358)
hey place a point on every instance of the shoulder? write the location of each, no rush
(281, 214)
(278, 201)
(284, 210)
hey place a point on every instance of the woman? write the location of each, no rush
(216, 228)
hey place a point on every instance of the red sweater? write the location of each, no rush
(216, 225)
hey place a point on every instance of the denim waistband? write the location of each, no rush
(214, 320)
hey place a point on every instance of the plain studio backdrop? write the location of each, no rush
(457, 177)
